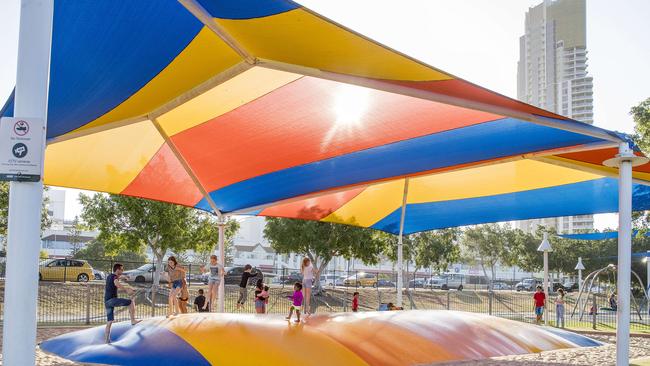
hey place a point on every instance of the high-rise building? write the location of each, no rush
(552, 74)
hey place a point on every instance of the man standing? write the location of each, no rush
(540, 301)
(111, 301)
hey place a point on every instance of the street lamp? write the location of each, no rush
(580, 267)
(545, 247)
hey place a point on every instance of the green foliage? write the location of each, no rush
(437, 249)
(492, 244)
(42, 254)
(321, 241)
(74, 233)
(131, 224)
(4, 209)
(641, 116)
(100, 257)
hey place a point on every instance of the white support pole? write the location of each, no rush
(624, 255)
(547, 301)
(24, 229)
(222, 261)
(400, 253)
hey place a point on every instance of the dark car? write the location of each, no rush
(570, 286)
(291, 278)
(384, 283)
(556, 286)
(233, 276)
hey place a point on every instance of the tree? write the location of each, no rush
(101, 257)
(492, 244)
(4, 209)
(641, 116)
(437, 249)
(129, 223)
(322, 241)
(74, 234)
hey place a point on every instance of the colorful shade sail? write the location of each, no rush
(265, 107)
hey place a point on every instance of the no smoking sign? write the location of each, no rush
(21, 149)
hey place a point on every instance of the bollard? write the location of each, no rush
(447, 299)
(154, 289)
(490, 294)
(595, 312)
(87, 303)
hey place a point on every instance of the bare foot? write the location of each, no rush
(287, 318)
(135, 321)
(296, 321)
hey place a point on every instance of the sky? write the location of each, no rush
(477, 40)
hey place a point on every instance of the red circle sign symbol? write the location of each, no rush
(21, 128)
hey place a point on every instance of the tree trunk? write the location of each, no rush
(319, 268)
(159, 267)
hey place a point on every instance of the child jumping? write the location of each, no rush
(297, 301)
(243, 283)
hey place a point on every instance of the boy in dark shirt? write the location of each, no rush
(199, 301)
(243, 283)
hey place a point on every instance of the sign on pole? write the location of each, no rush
(21, 151)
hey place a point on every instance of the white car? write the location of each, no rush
(331, 280)
(143, 273)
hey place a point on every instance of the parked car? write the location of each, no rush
(329, 279)
(527, 284)
(501, 286)
(417, 283)
(361, 279)
(143, 273)
(233, 276)
(570, 286)
(291, 278)
(99, 275)
(385, 283)
(65, 270)
(447, 281)
(556, 286)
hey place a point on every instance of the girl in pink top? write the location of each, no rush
(297, 301)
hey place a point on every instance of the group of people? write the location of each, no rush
(539, 299)
(179, 294)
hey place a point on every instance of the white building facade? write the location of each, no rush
(552, 74)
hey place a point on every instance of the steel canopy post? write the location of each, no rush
(25, 199)
(624, 160)
(400, 253)
(222, 262)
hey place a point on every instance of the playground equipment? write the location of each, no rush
(609, 270)
(369, 338)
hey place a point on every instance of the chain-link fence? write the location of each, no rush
(71, 291)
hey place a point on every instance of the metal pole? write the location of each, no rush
(546, 307)
(647, 281)
(222, 261)
(400, 254)
(25, 199)
(624, 255)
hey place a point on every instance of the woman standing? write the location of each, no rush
(559, 309)
(308, 271)
(213, 281)
(175, 275)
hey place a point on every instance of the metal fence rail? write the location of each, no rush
(72, 293)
